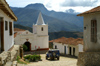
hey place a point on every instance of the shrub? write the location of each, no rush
(19, 60)
(25, 47)
(38, 57)
(27, 57)
(33, 57)
(18, 57)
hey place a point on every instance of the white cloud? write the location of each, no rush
(23, 3)
(58, 5)
(74, 3)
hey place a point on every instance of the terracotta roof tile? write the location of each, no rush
(17, 29)
(15, 34)
(96, 9)
(51, 41)
(70, 41)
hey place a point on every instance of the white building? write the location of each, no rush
(68, 46)
(39, 37)
(91, 38)
(6, 26)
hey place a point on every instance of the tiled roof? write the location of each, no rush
(15, 34)
(71, 41)
(51, 41)
(96, 9)
(59, 40)
(17, 29)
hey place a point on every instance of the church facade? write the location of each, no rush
(36, 40)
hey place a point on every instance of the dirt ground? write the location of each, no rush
(64, 61)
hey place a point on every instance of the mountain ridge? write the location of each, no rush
(59, 15)
(27, 16)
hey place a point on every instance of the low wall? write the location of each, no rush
(11, 55)
(89, 59)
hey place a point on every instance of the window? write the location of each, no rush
(42, 29)
(84, 28)
(6, 25)
(10, 28)
(93, 31)
(55, 47)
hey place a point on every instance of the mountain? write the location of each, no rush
(57, 21)
(55, 35)
(22, 27)
(68, 16)
(37, 6)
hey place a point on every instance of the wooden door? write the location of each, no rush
(70, 51)
(73, 51)
(2, 33)
(65, 50)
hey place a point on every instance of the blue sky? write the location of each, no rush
(59, 5)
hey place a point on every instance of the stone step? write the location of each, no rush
(20, 65)
(14, 63)
(8, 63)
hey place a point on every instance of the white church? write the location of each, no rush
(38, 39)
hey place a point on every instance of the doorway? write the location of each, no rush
(28, 44)
(1, 34)
(73, 51)
(70, 51)
(55, 46)
(65, 50)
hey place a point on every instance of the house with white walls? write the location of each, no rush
(8, 51)
(91, 38)
(7, 17)
(68, 46)
(36, 40)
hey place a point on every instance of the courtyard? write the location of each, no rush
(64, 61)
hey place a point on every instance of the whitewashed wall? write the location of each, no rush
(42, 38)
(21, 38)
(88, 45)
(8, 40)
(80, 47)
(34, 39)
(37, 29)
(67, 49)
(76, 49)
(42, 41)
(60, 46)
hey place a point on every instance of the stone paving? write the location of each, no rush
(64, 61)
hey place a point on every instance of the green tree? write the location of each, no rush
(25, 47)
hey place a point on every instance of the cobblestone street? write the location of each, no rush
(64, 61)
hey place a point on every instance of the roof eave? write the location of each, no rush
(6, 6)
(79, 15)
(87, 13)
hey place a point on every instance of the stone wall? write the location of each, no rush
(89, 59)
(9, 56)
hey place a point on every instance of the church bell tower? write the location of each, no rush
(40, 29)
